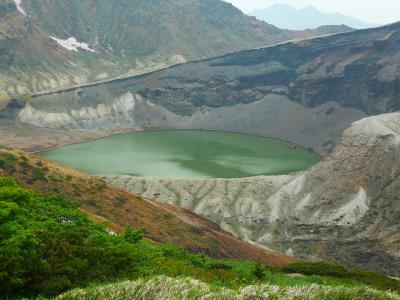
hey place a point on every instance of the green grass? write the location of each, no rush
(48, 247)
(373, 279)
(186, 288)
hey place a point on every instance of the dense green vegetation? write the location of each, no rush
(47, 247)
(373, 279)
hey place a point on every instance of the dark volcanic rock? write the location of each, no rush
(358, 70)
(309, 91)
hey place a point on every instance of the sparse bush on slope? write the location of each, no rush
(47, 247)
(373, 279)
(165, 288)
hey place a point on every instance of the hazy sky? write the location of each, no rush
(374, 11)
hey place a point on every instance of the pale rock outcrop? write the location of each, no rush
(102, 116)
(18, 4)
(346, 208)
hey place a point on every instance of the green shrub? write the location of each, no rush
(53, 247)
(8, 162)
(133, 236)
(24, 164)
(259, 272)
(9, 157)
(47, 246)
(93, 202)
(317, 268)
(376, 280)
(120, 200)
(38, 175)
(220, 266)
(10, 168)
(7, 182)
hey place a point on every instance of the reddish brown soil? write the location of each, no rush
(162, 222)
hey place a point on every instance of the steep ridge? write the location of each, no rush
(308, 92)
(46, 45)
(162, 222)
(344, 209)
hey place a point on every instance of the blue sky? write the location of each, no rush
(373, 11)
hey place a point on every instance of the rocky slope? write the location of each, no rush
(24, 46)
(162, 223)
(345, 209)
(45, 45)
(308, 92)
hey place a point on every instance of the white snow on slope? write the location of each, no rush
(72, 44)
(19, 7)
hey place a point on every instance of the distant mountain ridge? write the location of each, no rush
(285, 16)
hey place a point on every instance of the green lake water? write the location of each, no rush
(184, 154)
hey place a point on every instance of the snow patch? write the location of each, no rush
(18, 4)
(178, 59)
(72, 44)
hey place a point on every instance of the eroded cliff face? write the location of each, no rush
(101, 116)
(307, 92)
(345, 209)
(274, 116)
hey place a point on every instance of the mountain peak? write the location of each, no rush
(287, 17)
(310, 8)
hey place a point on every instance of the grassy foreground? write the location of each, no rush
(167, 288)
(48, 247)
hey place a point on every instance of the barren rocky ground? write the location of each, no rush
(345, 209)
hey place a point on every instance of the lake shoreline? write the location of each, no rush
(184, 153)
(290, 144)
